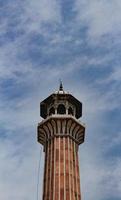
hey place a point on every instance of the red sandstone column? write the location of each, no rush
(61, 177)
(61, 139)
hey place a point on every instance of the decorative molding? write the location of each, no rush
(60, 127)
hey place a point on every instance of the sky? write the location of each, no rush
(42, 41)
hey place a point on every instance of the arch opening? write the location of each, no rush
(51, 111)
(61, 109)
(70, 111)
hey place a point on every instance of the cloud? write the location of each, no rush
(115, 75)
(37, 48)
(44, 11)
(28, 16)
(101, 17)
(19, 168)
(101, 178)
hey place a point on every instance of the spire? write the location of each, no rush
(61, 86)
(61, 89)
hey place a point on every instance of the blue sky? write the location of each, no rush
(42, 41)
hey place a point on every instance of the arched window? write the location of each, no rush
(61, 109)
(51, 111)
(70, 111)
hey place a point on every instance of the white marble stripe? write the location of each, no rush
(79, 186)
(51, 145)
(72, 169)
(54, 168)
(76, 168)
(46, 181)
(69, 167)
(50, 163)
(64, 170)
(59, 167)
(44, 178)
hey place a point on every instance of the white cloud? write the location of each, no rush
(45, 10)
(19, 114)
(18, 170)
(38, 12)
(30, 14)
(99, 179)
(101, 17)
(115, 75)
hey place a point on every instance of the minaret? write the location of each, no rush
(61, 133)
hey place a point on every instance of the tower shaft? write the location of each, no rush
(61, 136)
(61, 176)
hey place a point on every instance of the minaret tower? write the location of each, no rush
(61, 133)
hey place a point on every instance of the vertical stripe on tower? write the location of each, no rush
(69, 167)
(46, 180)
(72, 168)
(45, 168)
(57, 170)
(76, 191)
(64, 169)
(71, 173)
(59, 167)
(50, 170)
(48, 177)
(54, 168)
(78, 175)
(61, 170)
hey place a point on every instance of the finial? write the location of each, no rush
(61, 86)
